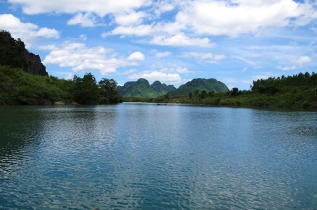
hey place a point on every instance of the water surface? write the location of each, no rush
(136, 155)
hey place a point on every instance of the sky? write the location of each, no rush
(233, 41)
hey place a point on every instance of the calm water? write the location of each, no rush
(156, 157)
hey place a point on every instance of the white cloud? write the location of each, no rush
(180, 40)
(47, 33)
(156, 75)
(264, 55)
(136, 56)
(302, 60)
(80, 58)
(286, 68)
(239, 16)
(297, 63)
(163, 6)
(149, 29)
(128, 72)
(99, 7)
(48, 47)
(84, 20)
(141, 30)
(69, 76)
(83, 37)
(162, 54)
(234, 82)
(28, 32)
(207, 57)
(199, 17)
(178, 69)
(182, 70)
(130, 18)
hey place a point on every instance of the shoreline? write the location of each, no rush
(236, 103)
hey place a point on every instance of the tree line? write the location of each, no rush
(19, 87)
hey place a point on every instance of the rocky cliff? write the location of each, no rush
(34, 65)
(14, 54)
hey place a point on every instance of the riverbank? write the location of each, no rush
(301, 100)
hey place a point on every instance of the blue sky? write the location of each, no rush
(234, 41)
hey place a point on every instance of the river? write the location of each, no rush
(138, 155)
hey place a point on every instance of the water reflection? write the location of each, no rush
(149, 156)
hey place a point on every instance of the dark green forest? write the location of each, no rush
(18, 87)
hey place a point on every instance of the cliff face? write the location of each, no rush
(34, 65)
(14, 54)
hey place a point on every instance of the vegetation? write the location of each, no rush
(18, 87)
(142, 88)
(24, 80)
(199, 85)
(298, 91)
(14, 54)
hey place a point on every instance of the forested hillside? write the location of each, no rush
(199, 85)
(24, 80)
(142, 88)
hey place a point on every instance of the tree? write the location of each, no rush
(203, 94)
(108, 90)
(211, 93)
(196, 93)
(85, 89)
(235, 91)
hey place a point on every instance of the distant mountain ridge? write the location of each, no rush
(200, 84)
(142, 88)
(14, 54)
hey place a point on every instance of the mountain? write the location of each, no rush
(142, 88)
(14, 54)
(199, 84)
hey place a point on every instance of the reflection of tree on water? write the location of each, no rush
(19, 127)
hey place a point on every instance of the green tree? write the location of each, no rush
(203, 94)
(235, 91)
(86, 90)
(108, 90)
(196, 93)
(211, 93)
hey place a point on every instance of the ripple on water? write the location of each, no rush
(157, 157)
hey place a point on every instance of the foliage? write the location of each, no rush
(19, 87)
(85, 89)
(199, 85)
(142, 88)
(292, 92)
(108, 91)
(14, 54)
(285, 84)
